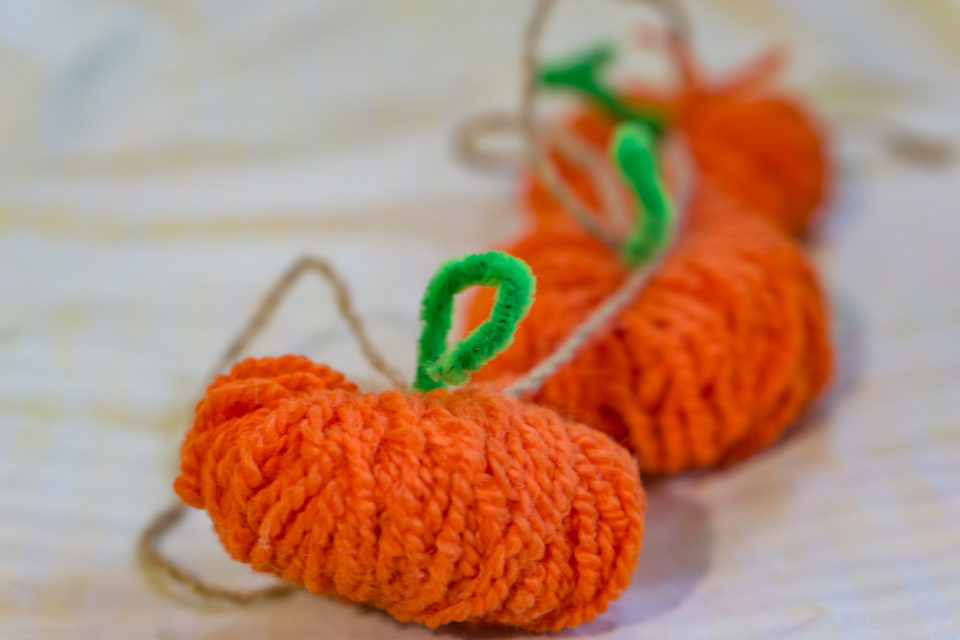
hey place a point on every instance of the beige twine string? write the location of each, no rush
(541, 163)
(148, 543)
(268, 307)
(612, 305)
(163, 522)
(585, 217)
(572, 147)
(152, 559)
(471, 151)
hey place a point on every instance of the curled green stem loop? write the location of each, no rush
(634, 153)
(438, 366)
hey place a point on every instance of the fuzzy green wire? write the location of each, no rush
(582, 72)
(436, 365)
(633, 149)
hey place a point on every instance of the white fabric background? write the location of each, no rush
(162, 162)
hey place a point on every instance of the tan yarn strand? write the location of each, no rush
(166, 520)
(570, 145)
(271, 301)
(601, 173)
(152, 559)
(612, 305)
(582, 334)
(588, 220)
(469, 133)
(535, 139)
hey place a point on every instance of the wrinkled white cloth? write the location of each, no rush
(162, 162)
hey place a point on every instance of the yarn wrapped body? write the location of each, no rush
(718, 354)
(763, 149)
(447, 506)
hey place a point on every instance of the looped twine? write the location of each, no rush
(581, 73)
(437, 366)
(148, 544)
(645, 248)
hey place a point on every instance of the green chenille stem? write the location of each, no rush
(438, 366)
(634, 152)
(582, 72)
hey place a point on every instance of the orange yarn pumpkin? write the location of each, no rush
(448, 506)
(764, 149)
(723, 348)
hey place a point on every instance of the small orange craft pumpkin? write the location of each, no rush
(761, 148)
(439, 506)
(721, 350)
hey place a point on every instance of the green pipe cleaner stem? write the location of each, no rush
(438, 366)
(633, 149)
(582, 74)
